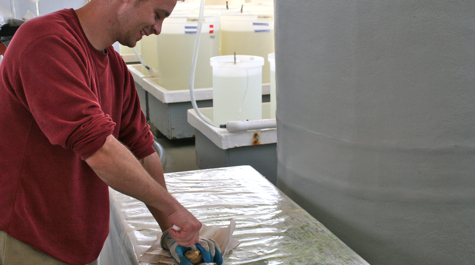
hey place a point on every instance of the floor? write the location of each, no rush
(179, 155)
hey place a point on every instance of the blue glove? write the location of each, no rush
(209, 250)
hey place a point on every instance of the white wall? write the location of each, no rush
(45, 6)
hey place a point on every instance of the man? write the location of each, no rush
(71, 126)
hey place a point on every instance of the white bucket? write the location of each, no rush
(237, 88)
(248, 33)
(171, 52)
(273, 99)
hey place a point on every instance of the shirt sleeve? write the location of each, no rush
(134, 131)
(57, 91)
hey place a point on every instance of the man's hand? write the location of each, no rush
(209, 249)
(189, 232)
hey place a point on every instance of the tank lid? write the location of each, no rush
(242, 61)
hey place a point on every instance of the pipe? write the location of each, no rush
(240, 126)
(161, 152)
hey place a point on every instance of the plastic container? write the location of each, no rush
(171, 52)
(273, 99)
(248, 33)
(237, 88)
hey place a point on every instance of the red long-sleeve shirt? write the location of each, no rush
(59, 99)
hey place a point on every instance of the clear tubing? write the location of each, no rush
(12, 3)
(193, 69)
(150, 70)
(161, 152)
(140, 59)
(245, 91)
(37, 9)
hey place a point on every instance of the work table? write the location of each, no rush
(271, 227)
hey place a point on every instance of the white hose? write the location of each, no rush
(193, 70)
(239, 126)
(12, 4)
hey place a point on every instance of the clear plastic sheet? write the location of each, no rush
(272, 229)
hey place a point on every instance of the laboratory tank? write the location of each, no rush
(248, 33)
(376, 124)
(171, 52)
(175, 51)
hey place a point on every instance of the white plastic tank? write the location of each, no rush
(248, 33)
(171, 52)
(376, 124)
(237, 88)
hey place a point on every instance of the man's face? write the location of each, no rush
(141, 18)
